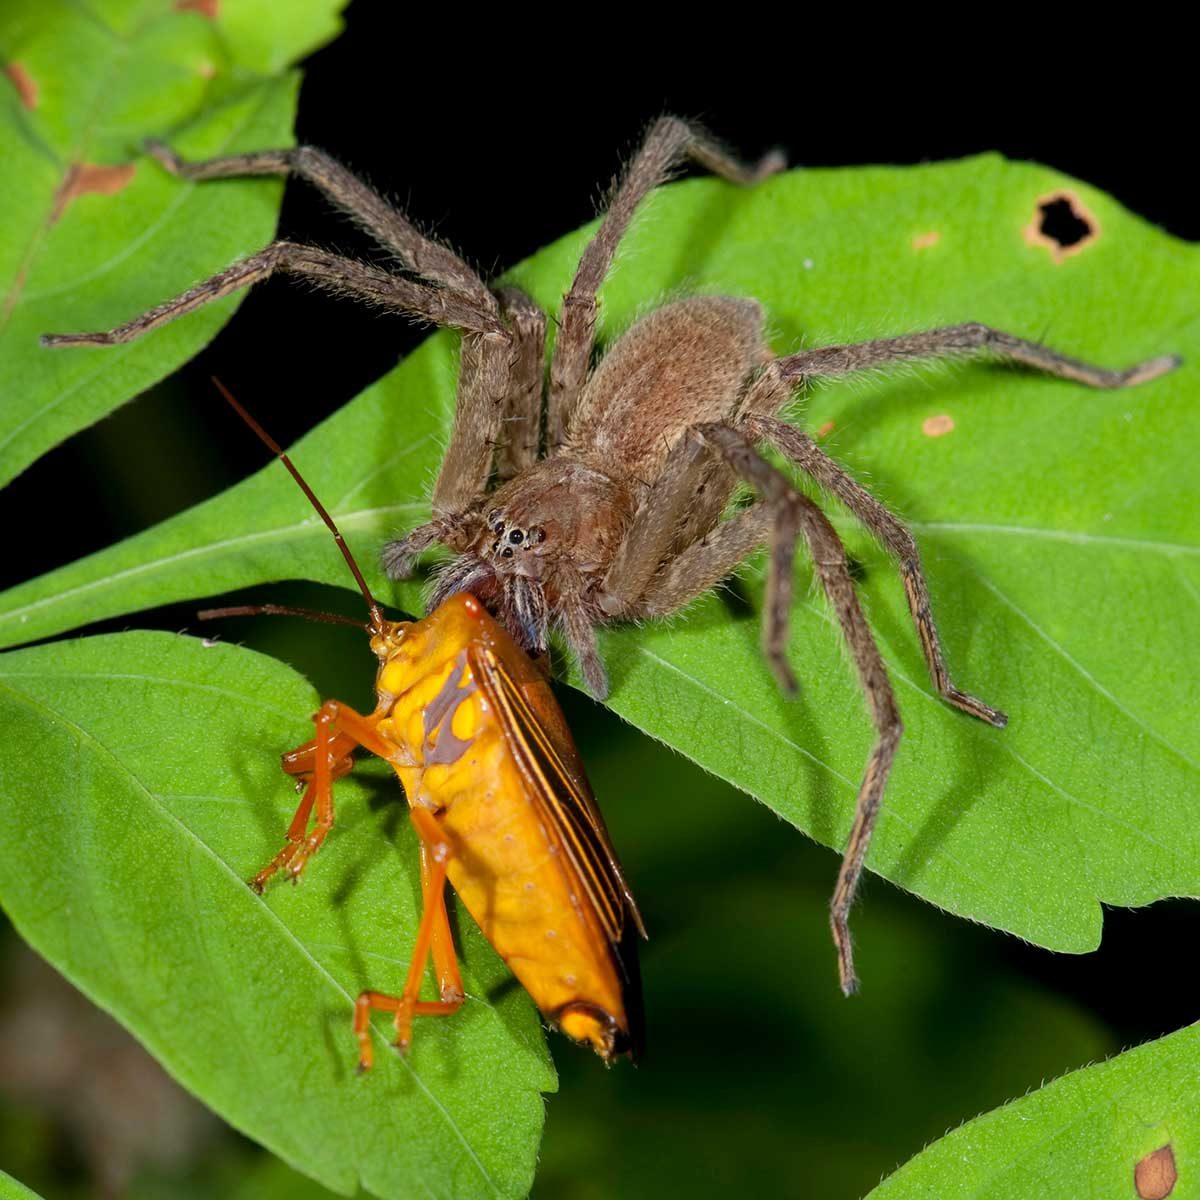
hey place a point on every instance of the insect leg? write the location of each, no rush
(302, 760)
(445, 961)
(794, 514)
(434, 927)
(325, 758)
(970, 338)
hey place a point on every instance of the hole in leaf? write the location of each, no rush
(1062, 224)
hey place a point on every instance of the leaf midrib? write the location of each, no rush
(310, 526)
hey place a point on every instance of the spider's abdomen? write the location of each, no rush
(683, 364)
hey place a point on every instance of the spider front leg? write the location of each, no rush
(330, 271)
(499, 386)
(458, 297)
(783, 516)
(521, 436)
(497, 420)
(388, 225)
(326, 758)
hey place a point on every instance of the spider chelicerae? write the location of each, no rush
(602, 492)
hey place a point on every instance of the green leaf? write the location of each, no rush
(1058, 525)
(1083, 1135)
(94, 81)
(12, 1189)
(149, 790)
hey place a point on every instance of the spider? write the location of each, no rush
(605, 495)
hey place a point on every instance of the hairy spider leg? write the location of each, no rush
(895, 538)
(795, 515)
(669, 141)
(330, 271)
(969, 338)
(458, 298)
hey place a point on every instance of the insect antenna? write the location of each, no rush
(276, 610)
(374, 610)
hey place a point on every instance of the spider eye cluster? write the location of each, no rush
(508, 537)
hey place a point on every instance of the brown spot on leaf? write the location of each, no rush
(924, 240)
(206, 8)
(21, 79)
(825, 430)
(937, 426)
(82, 178)
(1156, 1174)
(1062, 224)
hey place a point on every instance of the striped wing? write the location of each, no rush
(563, 796)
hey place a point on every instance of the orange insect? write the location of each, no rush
(501, 806)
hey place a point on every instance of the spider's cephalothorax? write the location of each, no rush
(543, 547)
(533, 550)
(604, 494)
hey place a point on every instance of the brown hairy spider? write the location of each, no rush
(611, 494)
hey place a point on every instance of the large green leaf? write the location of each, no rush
(146, 791)
(87, 83)
(1081, 1136)
(1059, 527)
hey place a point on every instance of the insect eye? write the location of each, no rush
(516, 536)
